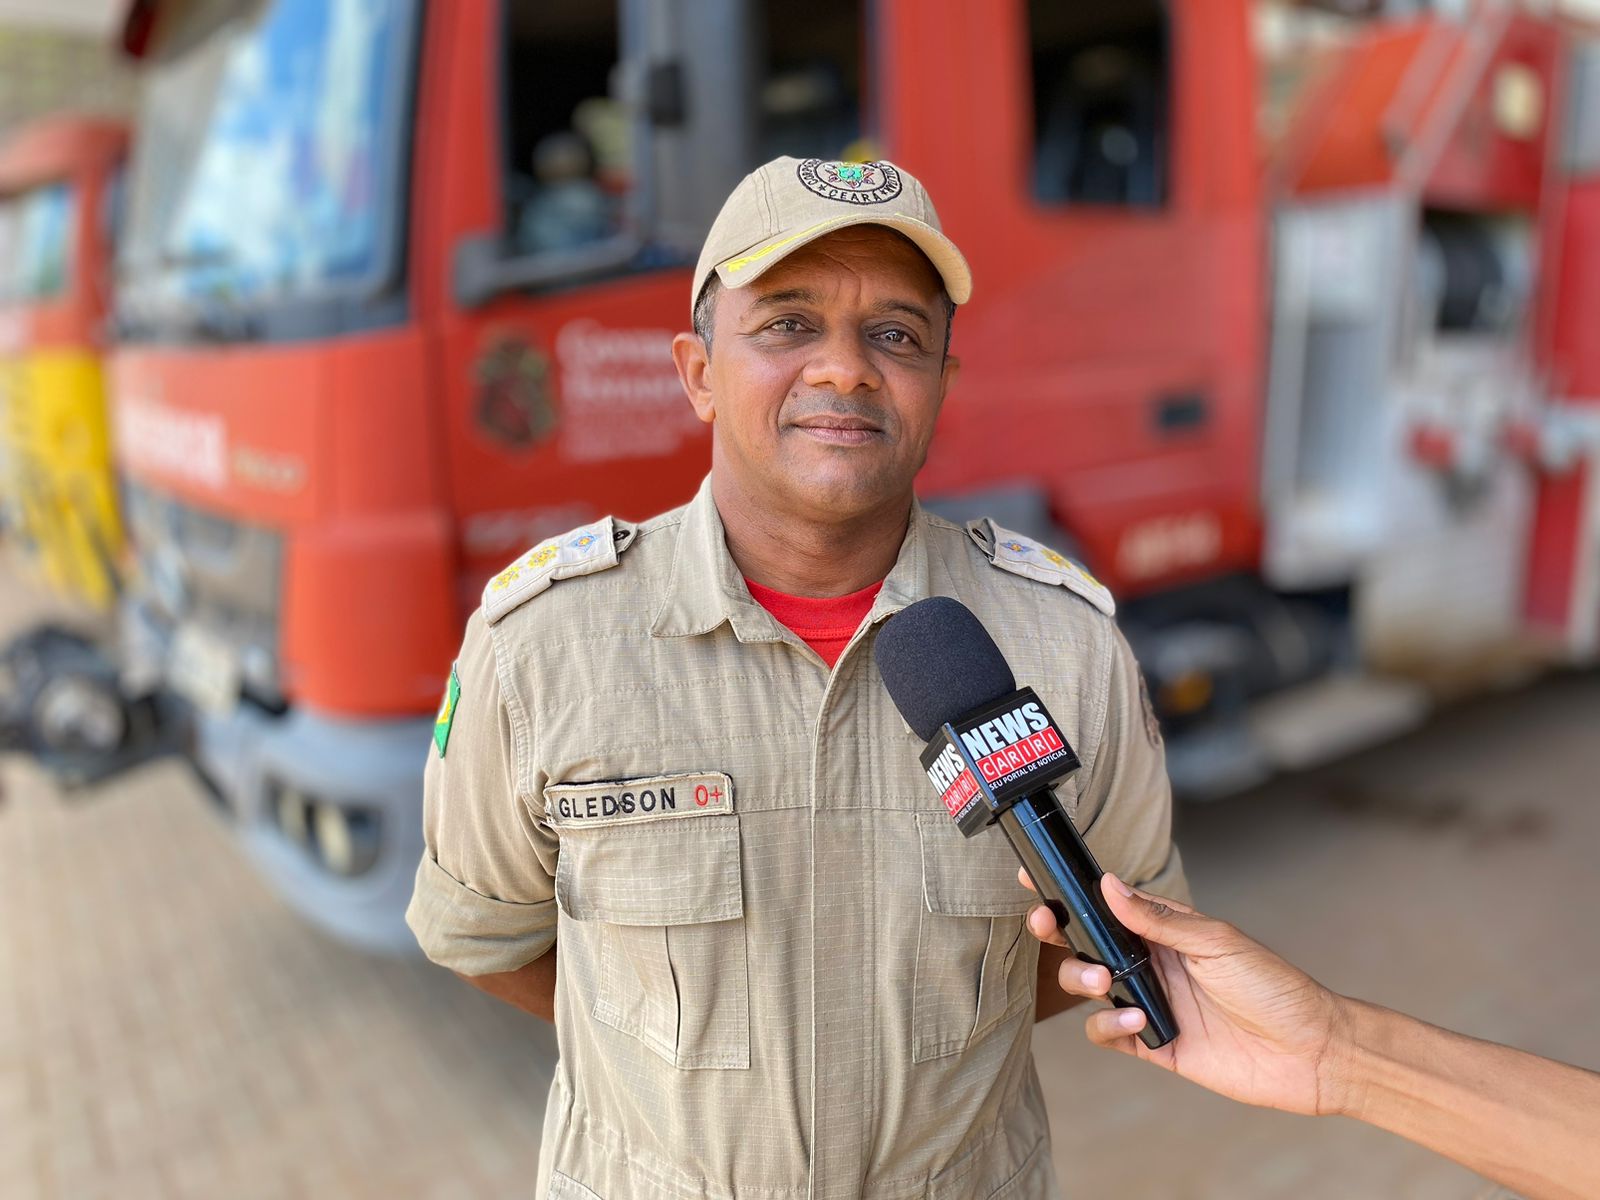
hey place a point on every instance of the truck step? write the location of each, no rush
(1327, 719)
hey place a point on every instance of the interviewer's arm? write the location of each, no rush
(1259, 1030)
(531, 987)
(1523, 1121)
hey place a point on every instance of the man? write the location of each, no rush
(1258, 1030)
(779, 970)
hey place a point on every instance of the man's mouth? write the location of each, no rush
(839, 430)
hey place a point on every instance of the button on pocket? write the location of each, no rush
(975, 959)
(659, 909)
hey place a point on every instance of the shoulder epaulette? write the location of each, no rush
(1032, 560)
(581, 551)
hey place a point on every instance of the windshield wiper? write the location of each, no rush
(205, 317)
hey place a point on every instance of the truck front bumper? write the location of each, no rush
(329, 809)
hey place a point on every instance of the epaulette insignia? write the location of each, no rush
(1026, 557)
(581, 551)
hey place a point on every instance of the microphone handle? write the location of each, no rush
(1067, 879)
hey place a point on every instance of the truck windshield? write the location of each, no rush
(271, 158)
(35, 244)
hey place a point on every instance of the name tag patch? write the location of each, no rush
(621, 802)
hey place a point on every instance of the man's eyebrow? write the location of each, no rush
(785, 296)
(800, 295)
(906, 307)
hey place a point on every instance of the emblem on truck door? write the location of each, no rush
(514, 402)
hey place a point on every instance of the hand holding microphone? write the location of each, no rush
(993, 756)
(1263, 1032)
(1267, 1029)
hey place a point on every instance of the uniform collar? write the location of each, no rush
(706, 589)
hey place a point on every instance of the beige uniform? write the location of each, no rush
(783, 972)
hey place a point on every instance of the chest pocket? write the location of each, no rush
(975, 959)
(658, 909)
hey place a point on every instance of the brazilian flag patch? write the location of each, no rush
(447, 713)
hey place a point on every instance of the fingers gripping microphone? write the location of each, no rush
(994, 755)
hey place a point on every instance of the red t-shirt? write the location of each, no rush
(825, 623)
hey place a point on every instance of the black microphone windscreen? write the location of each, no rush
(939, 663)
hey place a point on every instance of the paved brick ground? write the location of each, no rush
(168, 1029)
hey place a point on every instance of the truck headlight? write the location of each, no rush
(346, 838)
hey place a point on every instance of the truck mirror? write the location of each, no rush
(476, 269)
(664, 94)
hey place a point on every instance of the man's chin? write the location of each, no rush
(823, 496)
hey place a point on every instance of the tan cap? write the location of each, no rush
(789, 202)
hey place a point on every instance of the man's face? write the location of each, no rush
(824, 378)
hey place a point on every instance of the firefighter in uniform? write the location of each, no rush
(667, 764)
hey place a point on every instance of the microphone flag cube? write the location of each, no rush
(983, 761)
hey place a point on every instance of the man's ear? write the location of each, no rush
(694, 371)
(947, 375)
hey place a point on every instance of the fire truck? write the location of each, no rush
(59, 698)
(400, 279)
(57, 187)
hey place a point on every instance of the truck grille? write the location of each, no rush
(197, 568)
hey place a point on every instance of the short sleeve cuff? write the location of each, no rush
(471, 933)
(1170, 881)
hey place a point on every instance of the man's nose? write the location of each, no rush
(843, 362)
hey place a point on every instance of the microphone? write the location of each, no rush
(994, 755)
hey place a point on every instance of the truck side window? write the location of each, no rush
(811, 96)
(569, 157)
(1101, 103)
(36, 243)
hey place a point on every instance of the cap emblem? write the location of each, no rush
(850, 183)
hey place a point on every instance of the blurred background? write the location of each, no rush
(315, 313)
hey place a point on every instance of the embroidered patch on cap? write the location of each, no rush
(851, 183)
(447, 712)
(625, 801)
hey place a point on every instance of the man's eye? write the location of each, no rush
(899, 337)
(786, 325)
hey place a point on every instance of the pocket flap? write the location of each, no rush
(565, 1187)
(969, 877)
(653, 873)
